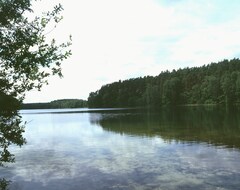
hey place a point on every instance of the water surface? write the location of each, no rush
(181, 148)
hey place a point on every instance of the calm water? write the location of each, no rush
(184, 148)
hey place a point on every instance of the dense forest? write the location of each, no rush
(216, 83)
(64, 103)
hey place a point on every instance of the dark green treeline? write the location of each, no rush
(64, 103)
(216, 83)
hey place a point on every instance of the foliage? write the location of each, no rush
(64, 103)
(8, 103)
(4, 184)
(216, 83)
(27, 58)
(11, 133)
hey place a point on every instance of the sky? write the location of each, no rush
(120, 39)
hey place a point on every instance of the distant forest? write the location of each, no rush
(64, 103)
(216, 83)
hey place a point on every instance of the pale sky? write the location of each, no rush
(121, 39)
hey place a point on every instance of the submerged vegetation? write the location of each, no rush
(216, 83)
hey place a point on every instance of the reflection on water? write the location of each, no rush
(212, 125)
(184, 148)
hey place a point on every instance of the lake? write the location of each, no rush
(179, 148)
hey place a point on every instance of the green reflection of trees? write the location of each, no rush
(213, 125)
(11, 130)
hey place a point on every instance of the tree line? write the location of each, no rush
(215, 83)
(63, 103)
